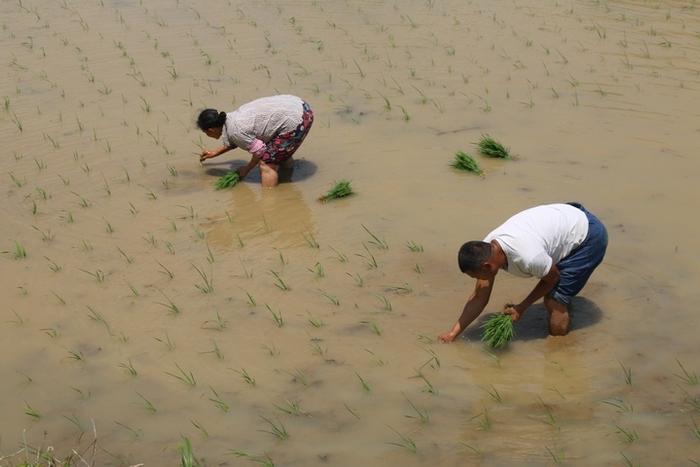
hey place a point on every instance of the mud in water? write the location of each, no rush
(151, 308)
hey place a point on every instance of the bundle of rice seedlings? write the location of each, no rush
(498, 330)
(492, 148)
(340, 190)
(464, 161)
(228, 180)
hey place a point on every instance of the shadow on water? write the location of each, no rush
(301, 170)
(534, 324)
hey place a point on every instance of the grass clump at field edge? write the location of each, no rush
(498, 330)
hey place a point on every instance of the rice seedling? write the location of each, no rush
(84, 203)
(247, 378)
(370, 260)
(414, 247)
(77, 356)
(172, 308)
(31, 411)
(376, 241)
(187, 457)
(627, 373)
(129, 368)
(386, 304)
(17, 182)
(494, 394)
(399, 289)
(218, 324)
(200, 427)
(108, 227)
(134, 290)
(628, 435)
(76, 421)
(687, 377)
(169, 344)
(207, 285)
(20, 252)
(497, 330)
(132, 209)
(127, 258)
(218, 401)
(135, 432)
(339, 256)
(228, 180)
(492, 148)
(165, 270)
(290, 408)
(466, 162)
(97, 317)
(619, 404)
(405, 114)
(264, 460)
(695, 429)
(418, 268)
(186, 377)
(429, 388)
(98, 275)
(86, 245)
(365, 385)
(276, 316)
(317, 270)
(404, 441)
(331, 298)
(421, 415)
(341, 189)
(483, 420)
(359, 281)
(147, 404)
(374, 327)
(628, 461)
(279, 282)
(277, 429)
(216, 351)
(53, 265)
(558, 459)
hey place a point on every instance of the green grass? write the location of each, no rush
(466, 162)
(187, 457)
(497, 330)
(228, 180)
(340, 190)
(492, 148)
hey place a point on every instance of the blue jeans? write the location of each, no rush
(577, 267)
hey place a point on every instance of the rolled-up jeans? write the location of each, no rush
(577, 267)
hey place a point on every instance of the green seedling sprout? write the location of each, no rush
(207, 285)
(404, 441)
(628, 435)
(276, 316)
(376, 241)
(279, 282)
(421, 415)
(492, 148)
(147, 404)
(686, 376)
(186, 377)
(311, 240)
(466, 162)
(218, 401)
(187, 457)
(627, 373)
(414, 247)
(277, 429)
(365, 385)
(290, 408)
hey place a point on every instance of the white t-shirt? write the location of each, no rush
(538, 237)
(262, 119)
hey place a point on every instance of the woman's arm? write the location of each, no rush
(215, 153)
(243, 171)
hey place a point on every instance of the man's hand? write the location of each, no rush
(512, 310)
(447, 337)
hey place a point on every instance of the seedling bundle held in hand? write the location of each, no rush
(498, 330)
(227, 181)
(340, 190)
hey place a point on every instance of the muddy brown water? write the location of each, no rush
(598, 101)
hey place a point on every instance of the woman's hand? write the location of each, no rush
(207, 155)
(447, 337)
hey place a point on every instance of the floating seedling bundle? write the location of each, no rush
(464, 161)
(498, 330)
(492, 148)
(340, 190)
(228, 180)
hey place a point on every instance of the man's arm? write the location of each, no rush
(543, 287)
(473, 308)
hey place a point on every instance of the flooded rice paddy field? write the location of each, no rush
(143, 307)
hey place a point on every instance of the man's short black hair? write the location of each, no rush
(472, 255)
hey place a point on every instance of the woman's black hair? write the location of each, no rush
(211, 118)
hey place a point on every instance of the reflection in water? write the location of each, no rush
(277, 216)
